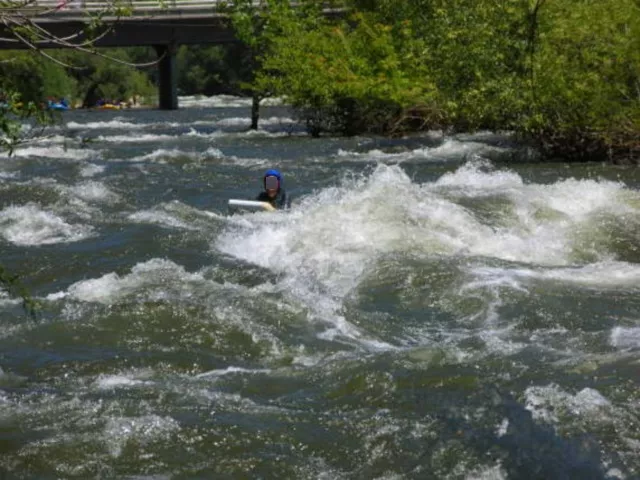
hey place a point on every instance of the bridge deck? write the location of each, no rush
(163, 24)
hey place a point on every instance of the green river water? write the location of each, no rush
(429, 308)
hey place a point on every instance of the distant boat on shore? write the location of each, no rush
(62, 105)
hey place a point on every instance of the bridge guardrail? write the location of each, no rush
(76, 10)
(64, 7)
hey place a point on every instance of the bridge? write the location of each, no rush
(161, 24)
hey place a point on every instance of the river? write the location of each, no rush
(431, 307)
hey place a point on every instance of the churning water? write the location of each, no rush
(427, 309)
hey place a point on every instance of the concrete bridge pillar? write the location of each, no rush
(167, 78)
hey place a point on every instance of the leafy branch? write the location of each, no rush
(11, 284)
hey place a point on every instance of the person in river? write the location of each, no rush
(274, 193)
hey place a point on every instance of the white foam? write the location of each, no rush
(246, 122)
(6, 300)
(594, 197)
(210, 154)
(550, 402)
(542, 221)
(609, 274)
(450, 149)
(143, 429)
(92, 191)
(601, 275)
(160, 217)
(137, 138)
(221, 101)
(483, 135)
(157, 274)
(110, 124)
(91, 170)
(306, 360)
(107, 382)
(56, 296)
(615, 473)
(273, 102)
(503, 428)
(54, 151)
(336, 233)
(161, 155)
(324, 253)
(333, 239)
(495, 472)
(49, 139)
(625, 337)
(472, 177)
(224, 101)
(246, 162)
(453, 148)
(266, 134)
(194, 133)
(29, 225)
(375, 154)
(8, 175)
(231, 370)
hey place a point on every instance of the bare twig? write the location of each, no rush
(24, 27)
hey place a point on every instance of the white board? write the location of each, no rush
(250, 205)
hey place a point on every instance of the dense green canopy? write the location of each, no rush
(565, 73)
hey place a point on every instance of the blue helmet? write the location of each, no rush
(273, 173)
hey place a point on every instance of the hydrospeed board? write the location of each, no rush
(250, 205)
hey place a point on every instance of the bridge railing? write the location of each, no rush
(136, 6)
(53, 10)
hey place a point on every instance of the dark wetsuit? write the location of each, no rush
(280, 201)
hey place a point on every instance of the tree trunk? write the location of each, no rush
(255, 111)
(91, 97)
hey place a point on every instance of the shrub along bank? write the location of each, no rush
(563, 74)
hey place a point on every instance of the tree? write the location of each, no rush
(248, 20)
(587, 77)
(563, 74)
(253, 23)
(22, 72)
(357, 75)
